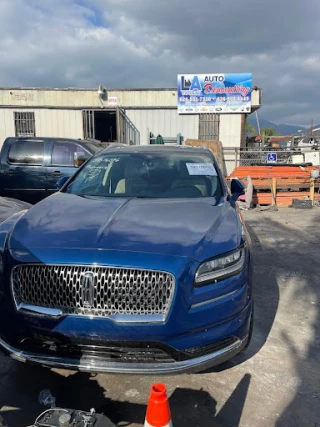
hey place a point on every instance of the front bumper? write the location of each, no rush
(199, 318)
(86, 364)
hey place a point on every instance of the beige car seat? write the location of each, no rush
(132, 181)
(185, 180)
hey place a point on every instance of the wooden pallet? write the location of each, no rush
(271, 184)
(283, 199)
(272, 171)
(281, 183)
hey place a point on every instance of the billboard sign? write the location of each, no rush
(214, 93)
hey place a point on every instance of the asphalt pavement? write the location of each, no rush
(276, 382)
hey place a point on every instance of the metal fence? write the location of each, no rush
(234, 157)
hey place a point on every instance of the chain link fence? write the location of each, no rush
(234, 157)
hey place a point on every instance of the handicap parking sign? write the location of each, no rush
(272, 158)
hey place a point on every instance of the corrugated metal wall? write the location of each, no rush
(61, 123)
(89, 97)
(68, 123)
(230, 130)
(166, 122)
(6, 124)
(230, 136)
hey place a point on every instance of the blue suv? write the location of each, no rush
(139, 264)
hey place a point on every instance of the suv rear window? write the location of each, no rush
(29, 152)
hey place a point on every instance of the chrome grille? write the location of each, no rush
(94, 291)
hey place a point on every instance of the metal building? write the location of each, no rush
(126, 116)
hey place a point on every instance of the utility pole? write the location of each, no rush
(259, 132)
(258, 124)
(311, 129)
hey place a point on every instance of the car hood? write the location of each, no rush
(197, 228)
(9, 207)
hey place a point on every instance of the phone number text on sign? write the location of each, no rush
(224, 93)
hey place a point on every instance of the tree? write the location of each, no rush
(269, 132)
(251, 129)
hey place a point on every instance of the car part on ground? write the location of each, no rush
(61, 417)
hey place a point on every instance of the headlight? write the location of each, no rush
(221, 267)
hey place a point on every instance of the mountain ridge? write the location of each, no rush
(282, 128)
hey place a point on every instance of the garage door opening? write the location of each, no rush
(110, 126)
(105, 123)
(101, 125)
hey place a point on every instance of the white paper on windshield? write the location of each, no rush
(201, 169)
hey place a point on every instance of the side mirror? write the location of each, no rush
(61, 182)
(237, 189)
(79, 159)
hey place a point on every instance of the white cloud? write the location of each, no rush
(145, 43)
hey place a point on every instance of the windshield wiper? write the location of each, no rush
(115, 195)
(145, 197)
(84, 196)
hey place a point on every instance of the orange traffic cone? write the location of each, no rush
(158, 411)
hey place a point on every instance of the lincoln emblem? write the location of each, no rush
(87, 289)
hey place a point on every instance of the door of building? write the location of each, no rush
(209, 126)
(110, 125)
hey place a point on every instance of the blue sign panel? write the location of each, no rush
(214, 93)
(272, 158)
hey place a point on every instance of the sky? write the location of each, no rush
(146, 43)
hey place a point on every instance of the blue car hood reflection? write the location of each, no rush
(193, 228)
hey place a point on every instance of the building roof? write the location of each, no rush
(80, 98)
(155, 89)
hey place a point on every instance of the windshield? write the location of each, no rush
(160, 175)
